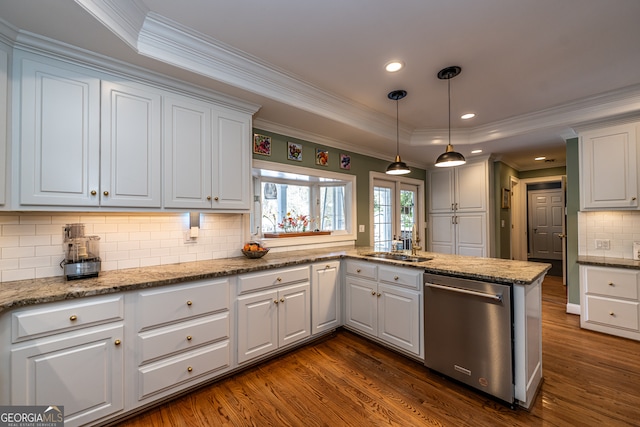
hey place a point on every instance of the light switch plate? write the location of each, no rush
(361, 228)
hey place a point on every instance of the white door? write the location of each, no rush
(130, 158)
(325, 296)
(59, 135)
(399, 317)
(257, 324)
(361, 311)
(187, 153)
(294, 314)
(471, 187)
(546, 216)
(441, 183)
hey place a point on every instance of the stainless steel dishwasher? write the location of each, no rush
(468, 330)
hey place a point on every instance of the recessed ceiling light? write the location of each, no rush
(467, 116)
(476, 151)
(394, 66)
(540, 158)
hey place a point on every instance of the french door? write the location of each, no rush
(396, 213)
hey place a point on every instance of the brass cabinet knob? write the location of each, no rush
(358, 271)
(373, 292)
(327, 266)
(106, 193)
(282, 300)
(395, 278)
(633, 198)
(215, 198)
(279, 279)
(611, 313)
(611, 284)
(117, 342)
(189, 337)
(208, 197)
(378, 294)
(189, 369)
(189, 303)
(73, 318)
(93, 192)
(275, 301)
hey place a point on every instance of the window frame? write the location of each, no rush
(341, 237)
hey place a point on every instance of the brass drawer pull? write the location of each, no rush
(93, 192)
(282, 300)
(395, 278)
(279, 279)
(275, 301)
(189, 369)
(73, 318)
(189, 303)
(189, 337)
(106, 193)
(373, 292)
(117, 342)
(358, 271)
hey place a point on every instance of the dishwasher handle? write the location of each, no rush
(495, 297)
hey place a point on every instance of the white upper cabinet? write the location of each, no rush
(460, 189)
(59, 134)
(4, 118)
(130, 166)
(609, 168)
(187, 153)
(231, 187)
(441, 193)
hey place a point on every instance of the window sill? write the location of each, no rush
(296, 234)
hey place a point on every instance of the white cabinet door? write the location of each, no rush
(362, 305)
(4, 119)
(187, 153)
(325, 297)
(442, 237)
(399, 317)
(130, 146)
(82, 370)
(231, 187)
(441, 190)
(608, 168)
(471, 187)
(59, 134)
(471, 234)
(294, 314)
(257, 324)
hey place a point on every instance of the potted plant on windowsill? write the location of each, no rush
(296, 226)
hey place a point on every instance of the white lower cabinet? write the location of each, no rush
(385, 302)
(70, 354)
(609, 300)
(182, 336)
(277, 315)
(325, 297)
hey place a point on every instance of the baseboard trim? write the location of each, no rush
(573, 308)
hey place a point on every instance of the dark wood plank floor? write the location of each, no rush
(591, 379)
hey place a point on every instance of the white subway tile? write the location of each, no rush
(19, 230)
(11, 275)
(32, 262)
(18, 252)
(35, 240)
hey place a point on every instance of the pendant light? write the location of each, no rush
(449, 157)
(398, 167)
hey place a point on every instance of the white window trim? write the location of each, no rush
(420, 203)
(336, 238)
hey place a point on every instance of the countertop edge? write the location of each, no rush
(609, 262)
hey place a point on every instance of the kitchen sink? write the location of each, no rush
(398, 256)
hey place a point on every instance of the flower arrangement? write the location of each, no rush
(295, 223)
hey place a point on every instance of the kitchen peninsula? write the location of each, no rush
(135, 321)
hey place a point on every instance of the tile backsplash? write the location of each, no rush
(31, 243)
(620, 228)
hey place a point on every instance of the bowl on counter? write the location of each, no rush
(254, 250)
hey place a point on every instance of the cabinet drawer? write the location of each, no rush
(182, 336)
(267, 279)
(620, 314)
(362, 269)
(177, 370)
(63, 316)
(612, 282)
(169, 304)
(400, 276)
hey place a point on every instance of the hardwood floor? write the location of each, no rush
(590, 379)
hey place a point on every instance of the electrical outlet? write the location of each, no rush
(361, 228)
(603, 244)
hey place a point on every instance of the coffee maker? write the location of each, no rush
(81, 256)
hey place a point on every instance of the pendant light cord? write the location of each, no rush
(397, 129)
(449, 96)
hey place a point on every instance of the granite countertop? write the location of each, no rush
(609, 262)
(30, 292)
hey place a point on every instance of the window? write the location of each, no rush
(292, 200)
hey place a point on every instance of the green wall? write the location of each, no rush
(360, 167)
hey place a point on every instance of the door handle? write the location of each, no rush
(562, 236)
(535, 231)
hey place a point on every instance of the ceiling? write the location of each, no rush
(533, 71)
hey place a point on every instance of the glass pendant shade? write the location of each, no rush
(398, 167)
